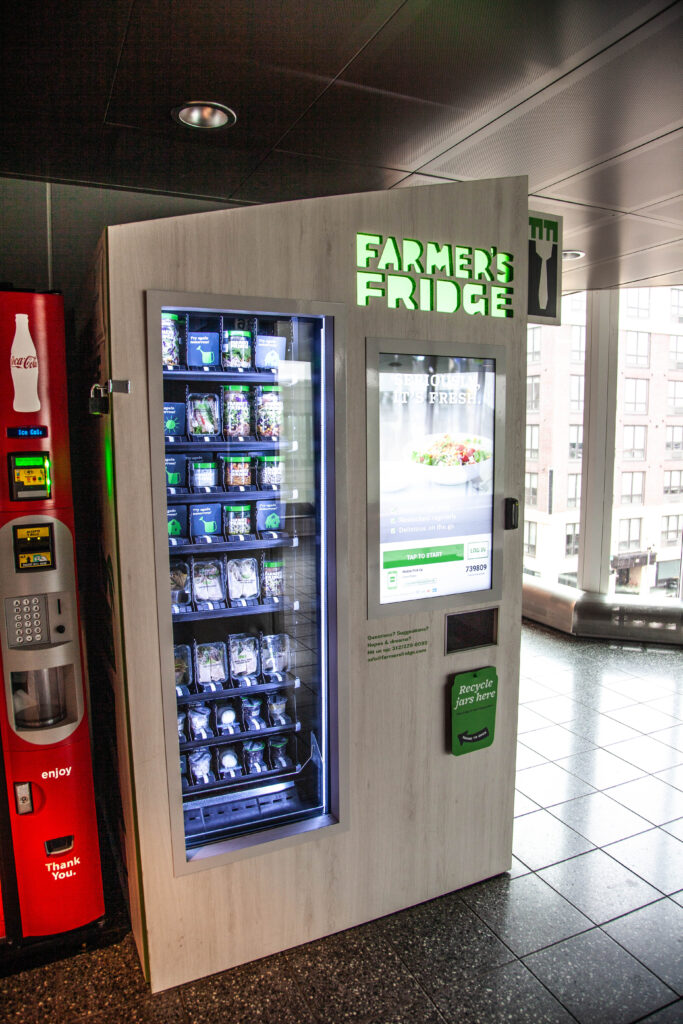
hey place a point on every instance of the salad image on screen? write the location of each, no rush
(436, 459)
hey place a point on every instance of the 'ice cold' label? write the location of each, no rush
(63, 869)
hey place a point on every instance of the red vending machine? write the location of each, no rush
(50, 875)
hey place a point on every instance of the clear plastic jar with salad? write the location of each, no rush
(236, 411)
(269, 412)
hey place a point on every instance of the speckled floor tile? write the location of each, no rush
(598, 886)
(523, 805)
(601, 698)
(654, 935)
(673, 736)
(517, 869)
(651, 798)
(648, 754)
(672, 1014)
(539, 840)
(441, 943)
(525, 913)
(549, 784)
(529, 690)
(674, 828)
(556, 742)
(643, 718)
(111, 980)
(599, 819)
(655, 856)
(672, 705)
(506, 995)
(528, 720)
(599, 729)
(638, 690)
(264, 992)
(357, 976)
(673, 776)
(600, 769)
(556, 709)
(30, 997)
(527, 758)
(598, 981)
(677, 897)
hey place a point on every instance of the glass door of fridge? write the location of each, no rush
(248, 453)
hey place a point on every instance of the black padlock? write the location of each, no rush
(98, 403)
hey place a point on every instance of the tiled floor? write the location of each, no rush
(587, 926)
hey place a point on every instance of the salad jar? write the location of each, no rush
(251, 710)
(200, 765)
(236, 350)
(272, 579)
(269, 471)
(237, 520)
(203, 473)
(228, 762)
(237, 471)
(182, 660)
(203, 416)
(269, 412)
(277, 748)
(170, 340)
(254, 756)
(236, 410)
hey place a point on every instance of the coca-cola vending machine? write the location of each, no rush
(50, 876)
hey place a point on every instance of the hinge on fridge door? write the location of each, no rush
(99, 395)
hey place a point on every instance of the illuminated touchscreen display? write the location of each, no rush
(436, 459)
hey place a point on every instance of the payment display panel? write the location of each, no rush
(435, 460)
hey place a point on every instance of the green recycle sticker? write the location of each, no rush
(473, 710)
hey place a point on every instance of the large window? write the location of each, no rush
(577, 353)
(674, 397)
(532, 434)
(635, 439)
(530, 538)
(576, 382)
(676, 351)
(531, 488)
(677, 304)
(635, 395)
(533, 344)
(533, 394)
(632, 487)
(638, 303)
(673, 447)
(672, 481)
(574, 490)
(637, 349)
(629, 534)
(672, 529)
(571, 544)
(575, 441)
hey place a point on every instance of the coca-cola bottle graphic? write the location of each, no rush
(24, 363)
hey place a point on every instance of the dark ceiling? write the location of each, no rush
(336, 96)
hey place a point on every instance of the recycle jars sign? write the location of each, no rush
(473, 710)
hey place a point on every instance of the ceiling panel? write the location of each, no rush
(671, 210)
(123, 157)
(267, 61)
(628, 181)
(58, 59)
(610, 105)
(284, 175)
(652, 268)
(476, 57)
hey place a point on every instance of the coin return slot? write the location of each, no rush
(63, 844)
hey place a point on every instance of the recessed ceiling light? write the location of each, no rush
(204, 114)
(572, 254)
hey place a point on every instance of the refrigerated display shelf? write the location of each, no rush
(192, 497)
(294, 682)
(219, 375)
(232, 547)
(245, 811)
(284, 605)
(186, 746)
(215, 444)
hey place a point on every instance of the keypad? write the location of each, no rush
(26, 620)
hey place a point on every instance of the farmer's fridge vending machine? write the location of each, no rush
(49, 855)
(247, 465)
(309, 557)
